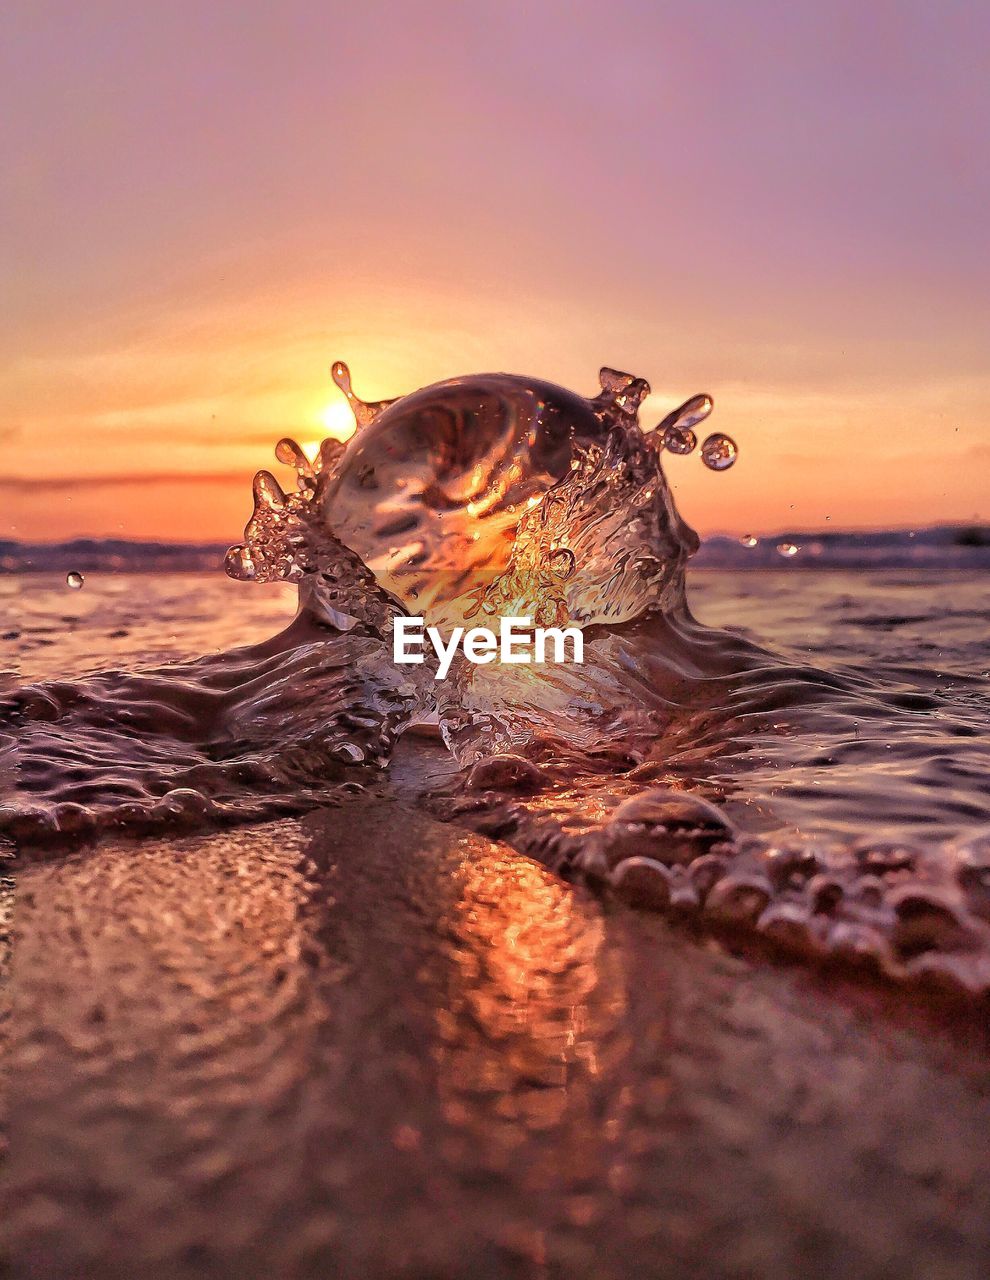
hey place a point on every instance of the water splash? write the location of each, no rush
(501, 495)
(476, 495)
(365, 411)
(719, 452)
(676, 432)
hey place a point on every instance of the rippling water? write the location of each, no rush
(917, 776)
(799, 756)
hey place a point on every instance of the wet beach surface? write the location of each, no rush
(368, 1044)
(365, 1043)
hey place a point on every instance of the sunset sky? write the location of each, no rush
(204, 204)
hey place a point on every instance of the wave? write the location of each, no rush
(496, 496)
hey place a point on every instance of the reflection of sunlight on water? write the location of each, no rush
(533, 1000)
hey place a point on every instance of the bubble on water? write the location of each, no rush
(748, 540)
(74, 580)
(719, 452)
(787, 549)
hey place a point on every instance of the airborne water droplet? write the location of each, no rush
(787, 549)
(719, 452)
(688, 414)
(675, 431)
(680, 440)
(748, 540)
(74, 580)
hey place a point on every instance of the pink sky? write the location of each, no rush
(782, 204)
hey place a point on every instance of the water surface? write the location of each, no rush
(798, 755)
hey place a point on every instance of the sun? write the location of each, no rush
(337, 420)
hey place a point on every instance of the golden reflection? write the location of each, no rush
(534, 1011)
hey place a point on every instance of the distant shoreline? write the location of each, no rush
(956, 546)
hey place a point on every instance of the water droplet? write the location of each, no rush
(787, 549)
(679, 440)
(748, 540)
(342, 377)
(74, 580)
(719, 452)
(688, 414)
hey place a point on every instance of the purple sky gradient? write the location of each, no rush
(786, 205)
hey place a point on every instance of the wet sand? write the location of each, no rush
(364, 1044)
